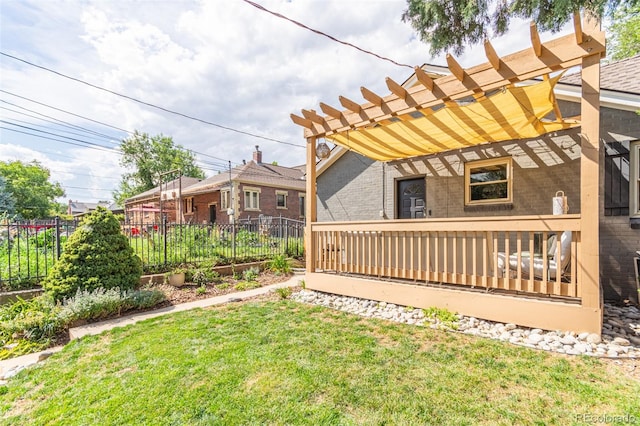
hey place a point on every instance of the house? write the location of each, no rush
(443, 193)
(80, 208)
(149, 206)
(247, 191)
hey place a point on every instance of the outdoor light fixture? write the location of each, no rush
(322, 150)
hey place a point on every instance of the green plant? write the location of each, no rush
(29, 324)
(283, 292)
(246, 285)
(303, 284)
(280, 264)
(96, 255)
(223, 286)
(199, 277)
(201, 290)
(251, 274)
(442, 315)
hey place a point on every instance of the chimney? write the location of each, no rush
(257, 155)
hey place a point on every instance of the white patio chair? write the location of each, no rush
(552, 261)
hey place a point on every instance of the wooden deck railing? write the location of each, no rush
(474, 252)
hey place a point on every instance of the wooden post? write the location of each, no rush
(311, 214)
(589, 261)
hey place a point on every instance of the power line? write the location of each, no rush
(66, 112)
(58, 130)
(57, 140)
(60, 136)
(264, 9)
(226, 160)
(52, 120)
(150, 104)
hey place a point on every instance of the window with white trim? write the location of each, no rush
(251, 199)
(281, 199)
(188, 205)
(488, 181)
(634, 178)
(225, 199)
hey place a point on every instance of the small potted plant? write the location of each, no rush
(175, 277)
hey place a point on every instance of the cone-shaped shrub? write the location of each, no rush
(96, 255)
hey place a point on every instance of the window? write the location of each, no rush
(488, 181)
(225, 199)
(616, 179)
(634, 179)
(251, 199)
(188, 205)
(302, 205)
(281, 199)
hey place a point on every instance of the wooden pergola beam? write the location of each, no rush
(560, 53)
(396, 88)
(535, 39)
(492, 56)
(304, 122)
(350, 105)
(371, 97)
(313, 116)
(455, 67)
(577, 27)
(331, 111)
(424, 78)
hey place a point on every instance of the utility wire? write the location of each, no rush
(52, 120)
(60, 136)
(264, 9)
(57, 140)
(149, 104)
(66, 112)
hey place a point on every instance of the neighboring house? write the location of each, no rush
(454, 206)
(80, 208)
(149, 206)
(250, 190)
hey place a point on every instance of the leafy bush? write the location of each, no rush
(283, 292)
(201, 290)
(223, 286)
(280, 264)
(199, 277)
(47, 239)
(31, 324)
(96, 255)
(251, 274)
(442, 316)
(101, 303)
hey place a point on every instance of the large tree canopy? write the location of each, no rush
(625, 33)
(149, 157)
(29, 185)
(452, 25)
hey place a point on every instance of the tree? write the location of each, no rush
(97, 254)
(149, 156)
(445, 24)
(625, 33)
(7, 202)
(30, 187)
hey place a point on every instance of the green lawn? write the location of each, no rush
(287, 363)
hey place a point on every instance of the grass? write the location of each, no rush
(287, 363)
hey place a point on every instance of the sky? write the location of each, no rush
(221, 61)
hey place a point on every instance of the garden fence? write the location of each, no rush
(28, 249)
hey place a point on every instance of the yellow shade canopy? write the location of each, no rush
(513, 113)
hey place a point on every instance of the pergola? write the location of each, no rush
(473, 106)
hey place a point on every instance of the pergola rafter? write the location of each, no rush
(538, 60)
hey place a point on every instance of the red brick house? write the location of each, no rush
(145, 208)
(248, 191)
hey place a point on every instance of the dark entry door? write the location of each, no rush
(411, 204)
(212, 213)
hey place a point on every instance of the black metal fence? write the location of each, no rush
(28, 250)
